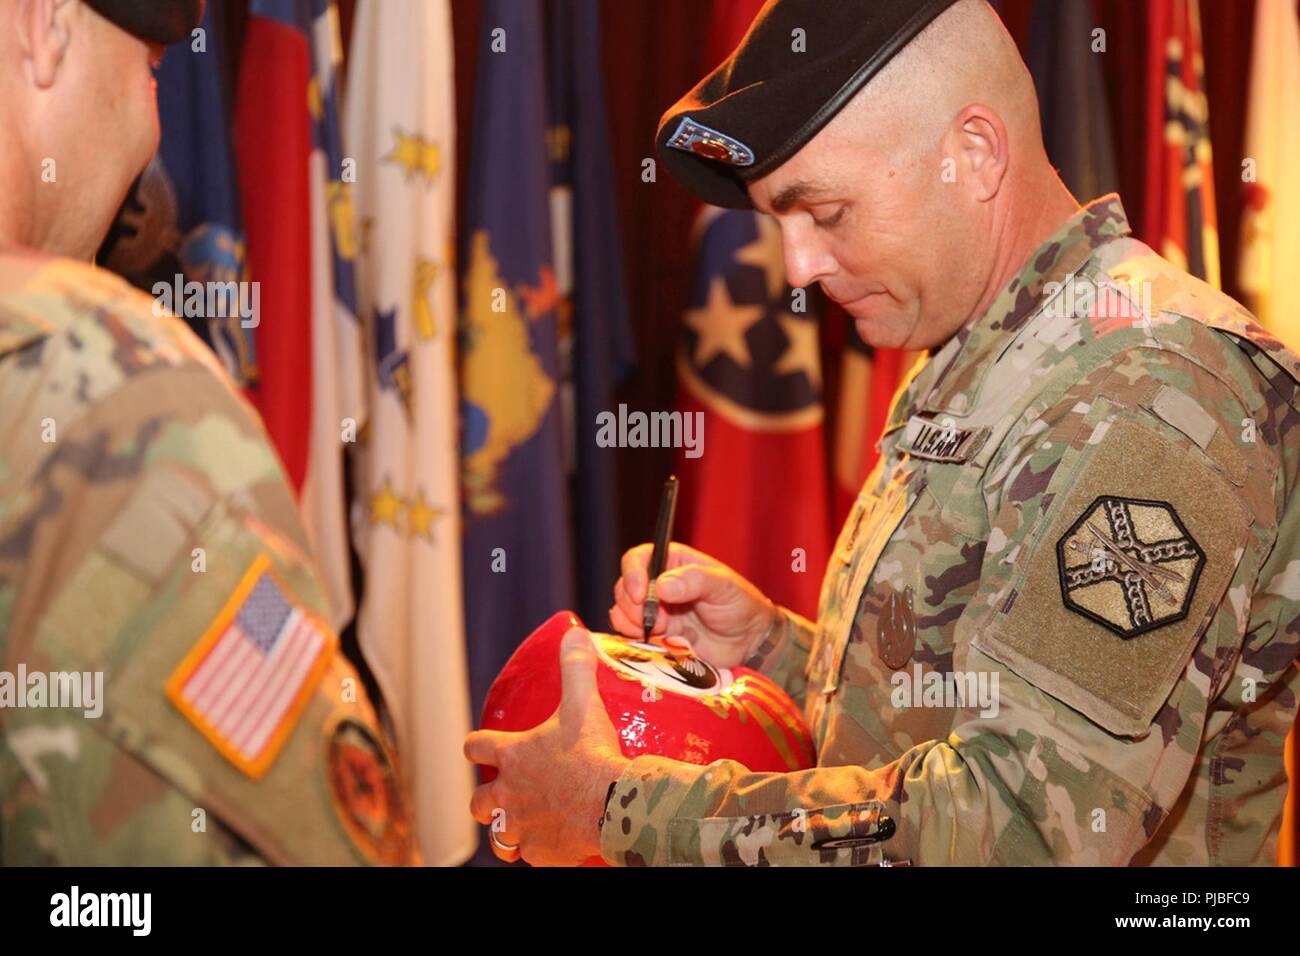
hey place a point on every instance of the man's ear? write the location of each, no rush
(979, 139)
(43, 36)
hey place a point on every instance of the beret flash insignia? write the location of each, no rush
(697, 138)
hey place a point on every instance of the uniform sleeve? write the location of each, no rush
(1129, 521)
(157, 556)
(783, 654)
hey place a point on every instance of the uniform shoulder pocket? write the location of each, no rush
(223, 677)
(1119, 577)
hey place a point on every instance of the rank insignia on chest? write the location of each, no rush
(1129, 564)
(896, 629)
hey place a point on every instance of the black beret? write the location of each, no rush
(157, 21)
(769, 98)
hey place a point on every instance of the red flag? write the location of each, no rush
(1179, 218)
(297, 208)
(755, 492)
(277, 203)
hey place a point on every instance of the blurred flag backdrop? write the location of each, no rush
(488, 322)
(406, 511)
(301, 247)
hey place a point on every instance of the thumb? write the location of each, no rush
(577, 671)
(689, 583)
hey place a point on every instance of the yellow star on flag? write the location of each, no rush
(803, 352)
(416, 155)
(421, 516)
(721, 326)
(765, 253)
(385, 506)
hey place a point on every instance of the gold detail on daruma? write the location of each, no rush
(1129, 564)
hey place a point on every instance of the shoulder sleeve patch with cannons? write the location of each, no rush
(1120, 576)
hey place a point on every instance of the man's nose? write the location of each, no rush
(806, 261)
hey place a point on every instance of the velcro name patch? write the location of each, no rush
(941, 440)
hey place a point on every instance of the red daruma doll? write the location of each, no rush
(661, 698)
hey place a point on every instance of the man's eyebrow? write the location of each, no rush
(798, 192)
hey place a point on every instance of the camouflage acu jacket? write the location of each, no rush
(1060, 623)
(148, 535)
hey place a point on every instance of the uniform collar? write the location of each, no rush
(21, 321)
(949, 380)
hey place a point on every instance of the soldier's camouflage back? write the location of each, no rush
(1085, 506)
(147, 532)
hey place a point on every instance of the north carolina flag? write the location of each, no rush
(301, 247)
(1180, 221)
(749, 359)
(406, 519)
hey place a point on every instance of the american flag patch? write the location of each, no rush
(248, 678)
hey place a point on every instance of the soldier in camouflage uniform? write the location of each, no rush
(1140, 718)
(147, 533)
(1084, 505)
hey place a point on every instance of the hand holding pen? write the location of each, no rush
(722, 615)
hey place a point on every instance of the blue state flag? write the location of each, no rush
(1065, 57)
(517, 550)
(181, 217)
(595, 335)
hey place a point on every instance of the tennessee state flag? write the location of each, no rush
(1179, 219)
(755, 495)
(301, 248)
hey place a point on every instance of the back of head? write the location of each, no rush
(964, 56)
(78, 106)
(933, 185)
